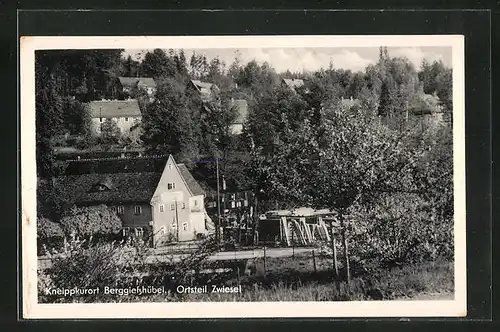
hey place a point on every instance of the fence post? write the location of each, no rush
(334, 251)
(314, 261)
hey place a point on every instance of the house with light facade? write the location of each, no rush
(178, 205)
(125, 113)
(292, 83)
(241, 107)
(207, 91)
(158, 207)
(130, 85)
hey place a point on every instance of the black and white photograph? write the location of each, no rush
(308, 176)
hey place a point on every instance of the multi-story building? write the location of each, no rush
(158, 207)
(125, 113)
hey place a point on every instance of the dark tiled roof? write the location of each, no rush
(193, 185)
(242, 109)
(294, 83)
(114, 108)
(202, 85)
(121, 187)
(133, 81)
(205, 89)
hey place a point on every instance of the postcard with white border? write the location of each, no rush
(243, 176)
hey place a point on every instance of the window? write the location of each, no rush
(195, 202)
(174, 225)
(233, 205)
(184, 226)
(162, 230)
(125, 231)
(162, 208)
(183, 205)
(171, 186)
(126, 119)
(120, 209)
(245, 203)
(137, 209)
(170, 166)
(172, 206)
(238, 204)
(100, 119)
(139, 231)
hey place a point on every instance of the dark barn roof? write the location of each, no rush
(120, 187)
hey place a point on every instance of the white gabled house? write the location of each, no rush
(178, 206)
(157, 207)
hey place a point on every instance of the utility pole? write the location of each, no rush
(223, 196)
(217, 226)
(334, 250)
(256, 223)
(346, 250)
(176, 220)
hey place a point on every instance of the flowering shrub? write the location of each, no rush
(97, 221)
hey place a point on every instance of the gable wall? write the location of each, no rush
(178, 206)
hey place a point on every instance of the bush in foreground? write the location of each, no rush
(89, 265)
(96, 221)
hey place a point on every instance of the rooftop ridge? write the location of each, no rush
(130, 100)
(120, 158)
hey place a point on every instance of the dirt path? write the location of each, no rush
(235, 255)
(444, 296)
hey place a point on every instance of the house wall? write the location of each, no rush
(183, 214)
(132, 220)
(124, 123)
(149, 90)
(236, 128)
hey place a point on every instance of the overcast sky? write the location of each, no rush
(310, 59)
